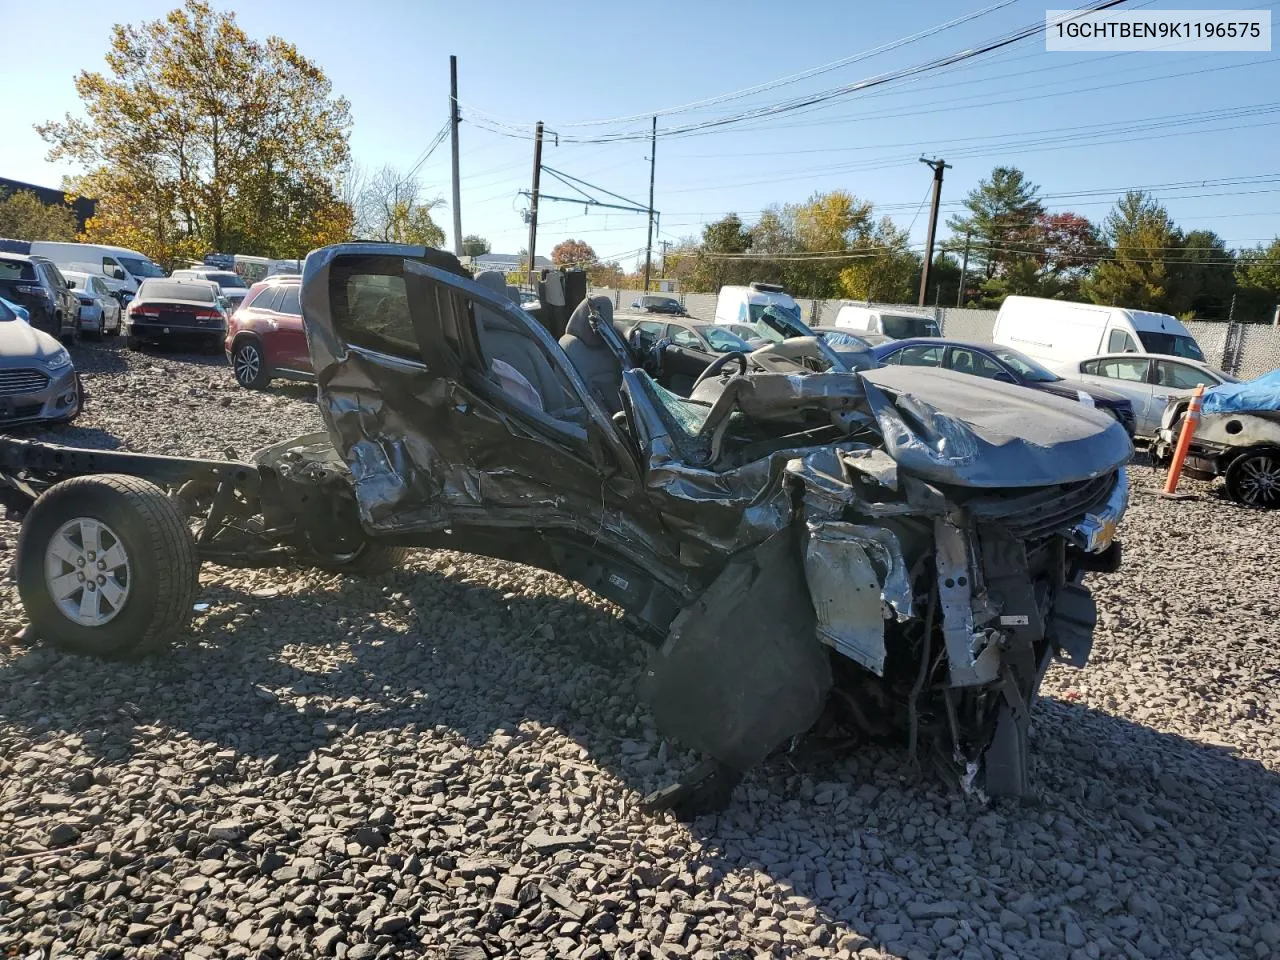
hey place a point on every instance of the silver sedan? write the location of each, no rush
(37, 379)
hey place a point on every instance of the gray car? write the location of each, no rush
(37, 379)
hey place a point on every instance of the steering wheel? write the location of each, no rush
(719, 363)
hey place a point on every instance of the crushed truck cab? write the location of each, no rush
(899, 550)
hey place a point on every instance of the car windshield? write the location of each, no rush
(902, 326)
(140, 267)
(227, 280)
(756, 312)
(723, 341)
(1171, 344)
(176, 290)
(1024, 366)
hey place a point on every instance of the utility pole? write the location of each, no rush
(664, 244)
(938, 166)
(457, 184)
(964, 271)
(648, 247)
(533, 201)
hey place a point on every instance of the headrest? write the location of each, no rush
(493, 280)
(579, 326)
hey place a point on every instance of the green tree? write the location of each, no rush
(474, 245)
(1258, 275)
(825, 226)
(199, 137)
(716, 263)
(572, 252)
(1144, 241)
(1002, 221)
(24, 216)
(1204, 274)
(886, 270)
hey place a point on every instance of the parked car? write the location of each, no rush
(36, 284)
(20, 310)
(1150, 381)
(99, 309)
(123, 269)
(693, 346)
(1237, 438)
(1006, 365)
(265, 338)
(745, 304)
(230, 284)
(894, 324)
(38, 382)
(651, 303)
(175, 311)
(1059, 334)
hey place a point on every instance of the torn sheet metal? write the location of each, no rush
(991, 434)
(741, 671)
(972, 656)
(855, 574)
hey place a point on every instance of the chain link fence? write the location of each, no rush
(1246, 350)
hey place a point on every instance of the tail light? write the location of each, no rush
(208, 315)
(136, 310)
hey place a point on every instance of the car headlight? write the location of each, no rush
(58, 360)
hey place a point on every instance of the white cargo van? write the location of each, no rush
(1060, 334)
(894, 324)
(123, 269)
(745, 304)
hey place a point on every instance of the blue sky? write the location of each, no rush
(1082, 126)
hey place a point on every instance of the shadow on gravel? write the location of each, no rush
(1136, 834)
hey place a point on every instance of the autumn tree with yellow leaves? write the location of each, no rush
(200, 139)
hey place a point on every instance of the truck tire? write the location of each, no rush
(368, 560)
(106, 566)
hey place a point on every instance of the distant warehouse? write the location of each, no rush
(83, 206)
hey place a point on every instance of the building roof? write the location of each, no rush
(83, 206)
(508, 261)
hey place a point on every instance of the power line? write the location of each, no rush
(773, 84)
(796, 103)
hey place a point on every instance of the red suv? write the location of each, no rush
(265, 337)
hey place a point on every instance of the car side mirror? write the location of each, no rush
(117, 273)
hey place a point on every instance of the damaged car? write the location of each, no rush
(1237, 438)
(896, 550)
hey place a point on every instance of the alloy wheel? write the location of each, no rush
(86, 570)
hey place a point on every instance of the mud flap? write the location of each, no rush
(742, 670)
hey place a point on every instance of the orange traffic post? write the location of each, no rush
(1189, 423)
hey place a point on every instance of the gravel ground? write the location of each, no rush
(448, 761)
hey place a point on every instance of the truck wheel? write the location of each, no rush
(106, 566)
(367, 560)
(1253, 479)
(249, 365)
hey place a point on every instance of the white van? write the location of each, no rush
(745, 304)
(1060, 334)
(123, 269)
(894, 324)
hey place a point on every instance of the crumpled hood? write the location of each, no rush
(20, 341)
(957, 429)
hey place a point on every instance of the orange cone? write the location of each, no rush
(1189, 424)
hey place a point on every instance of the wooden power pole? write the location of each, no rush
(457, 183)
(533, 201)
(648, 247)
(938, 166)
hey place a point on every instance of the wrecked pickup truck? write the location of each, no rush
(899, 550)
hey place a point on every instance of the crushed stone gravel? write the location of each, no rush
(448, 761)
